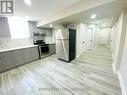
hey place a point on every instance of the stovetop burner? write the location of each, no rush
(39, 42)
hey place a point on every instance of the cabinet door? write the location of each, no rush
(1, 64)
(35, 53)
(8, 60)
(52, 48)
(27, 53)
(18, 57)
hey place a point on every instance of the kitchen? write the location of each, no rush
(18, 50)
(44, 38)
(63, 47)
(23, 42)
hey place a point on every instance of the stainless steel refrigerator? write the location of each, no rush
(65, 44)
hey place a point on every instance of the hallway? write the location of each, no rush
(90, 74)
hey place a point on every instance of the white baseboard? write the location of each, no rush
(113, 66)
(121, 84)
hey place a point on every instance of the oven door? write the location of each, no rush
(44, 49)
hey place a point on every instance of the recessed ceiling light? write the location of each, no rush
(103, 24)
(28, 2)
(93, 16)
(51, 25)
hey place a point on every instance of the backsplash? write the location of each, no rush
(49, 40)
(8, 43)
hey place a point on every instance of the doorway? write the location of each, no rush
(90, 38)
(104, 36)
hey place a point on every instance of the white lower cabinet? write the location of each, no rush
(18, 57)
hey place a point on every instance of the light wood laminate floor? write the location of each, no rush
(90, 74)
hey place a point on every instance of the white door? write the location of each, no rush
(104, 36)
(90, 38)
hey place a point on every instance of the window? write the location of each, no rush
(18, 27)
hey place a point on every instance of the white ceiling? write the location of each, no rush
(40, 8)
(110, 10)
(101, 21)
(106, 22)
(81, 10)
(80, 6)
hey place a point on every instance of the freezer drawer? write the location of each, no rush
(62, 47)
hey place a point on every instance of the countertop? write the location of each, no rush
(11, 49)
(52, 43)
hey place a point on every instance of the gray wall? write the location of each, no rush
(4, 28)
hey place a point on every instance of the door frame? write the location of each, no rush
(90, 40)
